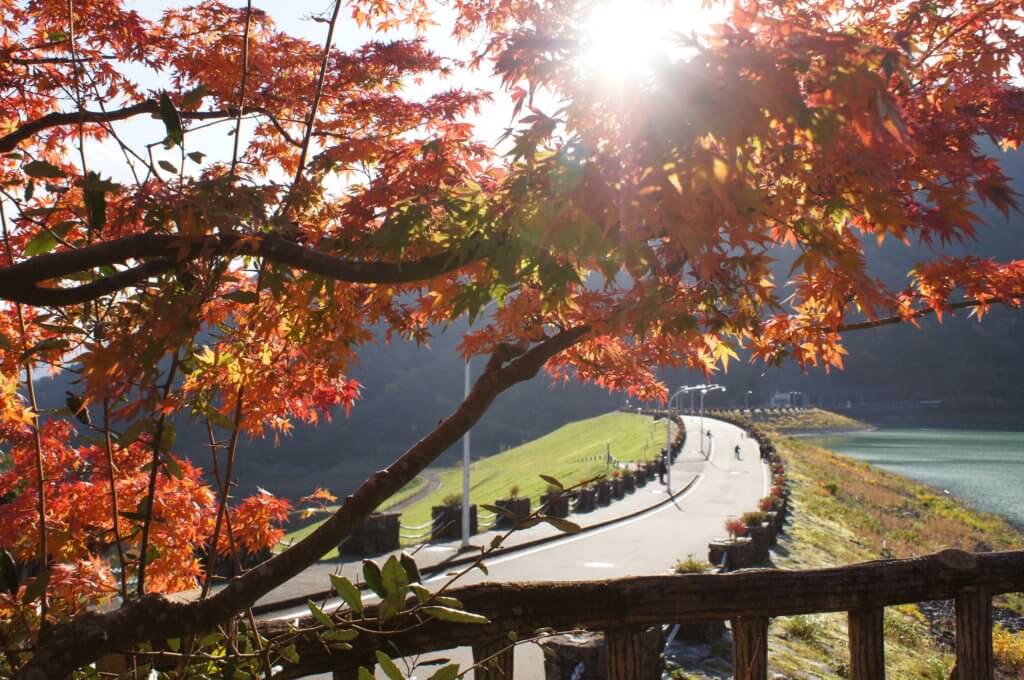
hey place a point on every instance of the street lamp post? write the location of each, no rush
(465, 470)
(705, 390)
(668, 439)
(466, 447)
(668, 430)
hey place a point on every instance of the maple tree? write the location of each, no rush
(619, 229)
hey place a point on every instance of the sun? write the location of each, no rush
(623, 40)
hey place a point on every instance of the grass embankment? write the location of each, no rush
(571, 454)
(846, 511)
(811, 420)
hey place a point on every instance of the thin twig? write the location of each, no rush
(151, 491)
(241, 89)
(311, 118)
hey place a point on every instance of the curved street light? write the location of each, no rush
(705, 390)
(668, 430)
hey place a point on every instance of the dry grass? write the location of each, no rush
(809, 420)
(847, 511)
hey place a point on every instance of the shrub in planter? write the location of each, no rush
(759, 534)
(586, 500)
(753, 519)
(628, 482)
(378, 534)
(640, 477)
(771, 520)
(769, 504)
(691, 565)
(518, 506)
(649, 469)
(604, 492)
(555, 503)
(735, 528)
(618, 488)
(447, 519)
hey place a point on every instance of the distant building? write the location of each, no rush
(786, 399)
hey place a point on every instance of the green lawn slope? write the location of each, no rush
(571, 453)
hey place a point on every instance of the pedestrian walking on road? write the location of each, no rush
(737, 451)
(662, 468)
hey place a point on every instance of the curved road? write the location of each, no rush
(649, 544)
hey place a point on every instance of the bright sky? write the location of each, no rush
(625, 36)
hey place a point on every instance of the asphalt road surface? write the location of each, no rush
(649, 544)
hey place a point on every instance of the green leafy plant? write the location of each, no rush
(752, 519)
(691, 565)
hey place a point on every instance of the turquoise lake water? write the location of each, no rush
(985, 468)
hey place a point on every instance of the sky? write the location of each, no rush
(624, 35)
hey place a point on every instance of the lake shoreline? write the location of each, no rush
(847, 510)
(983, 469)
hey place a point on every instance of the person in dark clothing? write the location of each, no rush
(737, 452)
(662, 468)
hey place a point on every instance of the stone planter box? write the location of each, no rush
(555, 504)
(618, 489)
(640, 478)
(628, 484)
(771, 520)
(447, 521)
(563, 654)
(604, 493)
(584, 656)
(739, 554)
(761, 542)
(520, 507)
(378, 534)
(586, 500)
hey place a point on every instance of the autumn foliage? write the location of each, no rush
(275, 203)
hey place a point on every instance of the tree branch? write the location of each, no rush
(20, 282)
(67, 647)
(10, 141)
(891, 320)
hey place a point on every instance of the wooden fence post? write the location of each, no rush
(750, 648)
(974, 634)
(634, 654)
(497, 657)
(867, 646)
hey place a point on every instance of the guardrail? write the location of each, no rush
(625, 608)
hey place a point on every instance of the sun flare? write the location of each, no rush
(622, 40)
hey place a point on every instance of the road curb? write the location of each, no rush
(300, 600)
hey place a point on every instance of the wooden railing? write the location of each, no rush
(625, 608)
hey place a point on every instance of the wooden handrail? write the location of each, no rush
(631, 604)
